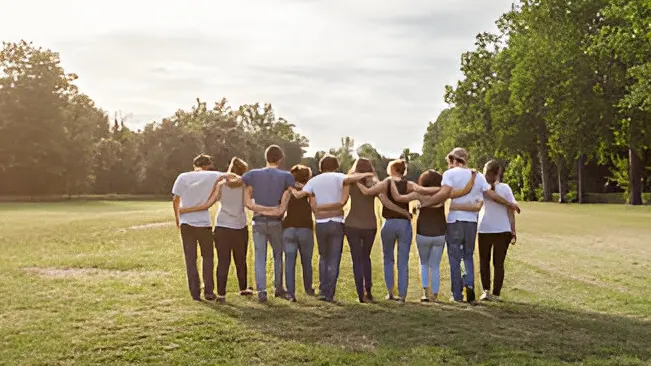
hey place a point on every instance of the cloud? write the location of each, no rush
(371, 70)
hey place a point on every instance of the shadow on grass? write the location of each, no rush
(517, 332)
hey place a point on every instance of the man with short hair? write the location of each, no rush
(266, 187)
(462, 225)
(191, 189)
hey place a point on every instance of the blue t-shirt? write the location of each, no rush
(268, 185)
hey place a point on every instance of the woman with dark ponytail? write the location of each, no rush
(496, 232)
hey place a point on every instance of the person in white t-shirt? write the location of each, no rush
(327, 189)
(192, 189)
(496, 232)
(462, 225)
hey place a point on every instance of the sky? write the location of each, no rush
(375, 71)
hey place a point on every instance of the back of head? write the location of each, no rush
(398, 166)
(238, 166)
(492, 172)
(202, 161)
(301, 173)
(430, 178)
(328, 164)
(362, 165)
(458, 155)
(274, 154)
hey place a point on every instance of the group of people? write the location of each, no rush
(291, 207)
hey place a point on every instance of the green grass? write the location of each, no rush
(577, 290)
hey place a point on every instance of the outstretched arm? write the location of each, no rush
(462, 192)
(214, 197)
(473, 207)
(375, 190)
(386, 202)
(356, 177)
(345, 194)
(438, 198)
(408, 197)
(501, 200)
(276, 211)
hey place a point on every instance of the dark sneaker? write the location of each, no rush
(369, 298)
(310, 292)
(247, 292)
(288, 296)
(280, 293)
(211, 297)
(390, 297)
(196, 298)
(322, 298)
(292, 299)
(470, 294)
(401, 300)
(262, 296)
(221, 299)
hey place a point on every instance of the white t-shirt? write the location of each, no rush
(326, 188)
(195, 188)
(457, 178)
(495, 216)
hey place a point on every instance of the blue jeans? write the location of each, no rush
(330, 238)
(461, 246)
(271, 232)
(361, 243)
(430, 250)
(298, 240)
(396, 230)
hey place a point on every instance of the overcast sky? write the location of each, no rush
(373, 70)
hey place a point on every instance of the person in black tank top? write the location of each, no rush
(396, 229)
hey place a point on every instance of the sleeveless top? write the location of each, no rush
(231, 213)
(299, 214)
(362, 210)
(402, 189)
(431, 221)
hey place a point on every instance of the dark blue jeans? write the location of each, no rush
(330, 238)
(298, 240)
(361, 243)
(461, 247)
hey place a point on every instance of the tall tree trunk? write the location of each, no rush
(545, 170)
(532, 181)
(579, 186)
(562, 179)
(634, 177)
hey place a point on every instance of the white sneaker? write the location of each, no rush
(485, 296)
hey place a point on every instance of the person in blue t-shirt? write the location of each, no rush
(266, 187)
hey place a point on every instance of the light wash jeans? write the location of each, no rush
(461, 246)
(396, 230)
(430, 250)
(268, 232)
(298, 240)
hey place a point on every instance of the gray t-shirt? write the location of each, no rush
(268, 185)
(231, 213)
(195, 188)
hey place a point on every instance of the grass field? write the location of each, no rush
(87, 283)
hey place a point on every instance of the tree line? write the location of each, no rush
(56, 140)
(562, 94)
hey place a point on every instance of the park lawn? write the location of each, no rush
(87, 283)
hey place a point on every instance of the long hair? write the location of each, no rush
(363, 165)
(493, 172)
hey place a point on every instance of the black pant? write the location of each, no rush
(190, 236)
(498, 243)
(361, 243)
(231, 242)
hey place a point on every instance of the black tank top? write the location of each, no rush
(299, 213)
(431, 221)
(402, 189)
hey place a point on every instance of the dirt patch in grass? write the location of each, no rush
(153, 225)
(86, 272)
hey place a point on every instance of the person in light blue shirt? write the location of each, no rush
(266, 187)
